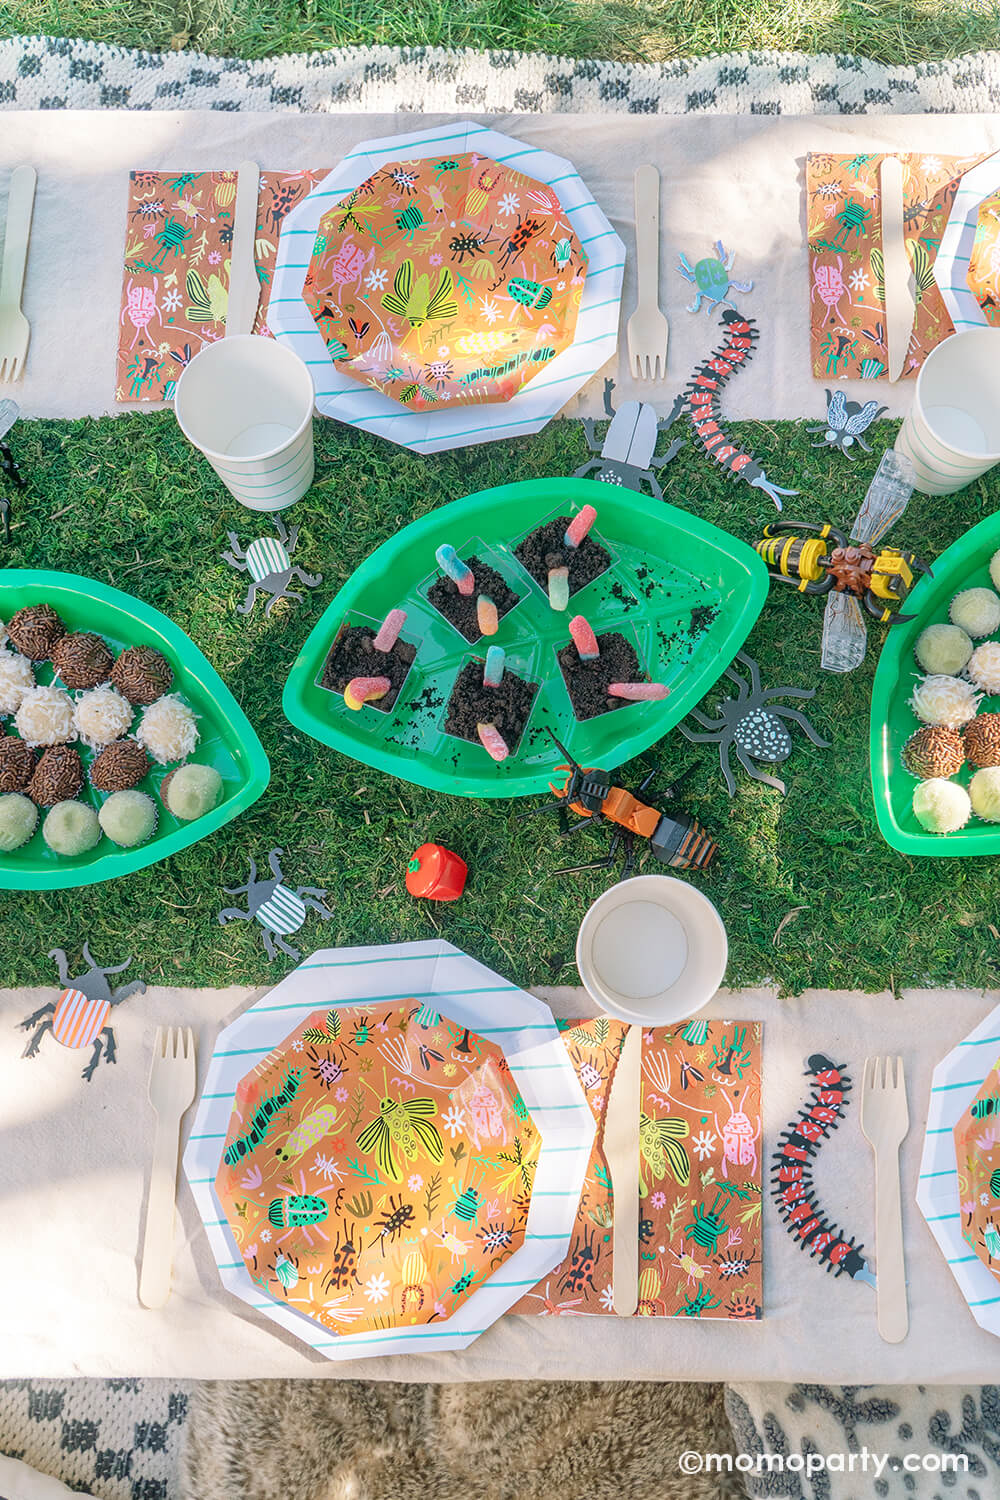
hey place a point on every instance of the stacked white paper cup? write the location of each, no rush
(951, 435)
(246, 403)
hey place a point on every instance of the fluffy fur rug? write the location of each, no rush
(530, 1440)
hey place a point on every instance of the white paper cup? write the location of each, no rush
(652, 950)
(247, 402)
(951, 434)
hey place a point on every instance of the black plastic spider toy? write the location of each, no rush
(752, 725)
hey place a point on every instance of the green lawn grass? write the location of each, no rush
(892, 31)
(809, 892)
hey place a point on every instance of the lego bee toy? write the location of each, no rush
(826, 560)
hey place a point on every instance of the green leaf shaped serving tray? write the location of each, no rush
(685, 593)
(227, 742)
(964, 565)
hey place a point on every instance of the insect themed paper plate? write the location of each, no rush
(450, 280)
(957, 1191)
(960, 243)
(977, 1156)
(390, 1147)
(984, 264)
(447, 287)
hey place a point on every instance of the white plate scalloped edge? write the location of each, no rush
(470, 994)
(951, 266)
(955, 1083)
(535, 404)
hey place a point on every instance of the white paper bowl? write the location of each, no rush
(652, 950)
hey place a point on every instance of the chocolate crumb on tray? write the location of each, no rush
(353, 655)
(460, 609)
(588, 681)
(545, 549)
(472, 703)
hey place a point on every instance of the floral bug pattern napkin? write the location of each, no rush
(700, 1235)
(846, 267)
(175, 279)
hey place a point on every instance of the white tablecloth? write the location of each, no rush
(735, 178)
(73, 1159)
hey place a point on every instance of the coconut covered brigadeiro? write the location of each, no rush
(82, 660)
(168, 730)
(45, 717)
(934, 751)
(983, 668)
(941, 806)
(17, 764)
(943, 649)
(976, 611)
(103, 715)
(58, 776)
(16, 679)
(119, 767)
(945, 700)
(982, 740)
(35, 630)
(141, 674)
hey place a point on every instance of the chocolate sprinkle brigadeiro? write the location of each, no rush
(82, 660)
(119, 767)
(982, 740)
(141, 675)
(34, 631)
(58, 776)
(17, 764)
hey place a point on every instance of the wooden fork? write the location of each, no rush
(885, 1120)
(171, 1090)
(648, 331)
(15, 330)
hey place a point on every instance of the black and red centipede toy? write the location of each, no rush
(791, 1173)
(701, 398)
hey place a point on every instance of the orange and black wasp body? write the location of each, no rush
(680, 841)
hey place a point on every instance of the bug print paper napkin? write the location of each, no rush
(175, 280)
(846, 270)
(700, 1236)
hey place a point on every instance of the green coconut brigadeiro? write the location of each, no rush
(18, 821)
(191, 791)
(984, 793)
(71, 828)
(943, 649)
(128, 818)
(941, 806)
(976, 611)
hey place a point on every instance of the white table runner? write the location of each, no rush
(74, 1159)
(735, 178)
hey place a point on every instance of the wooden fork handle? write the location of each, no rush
(20, 202)
(158, 1244)
(890, 1280)
(647, 233)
